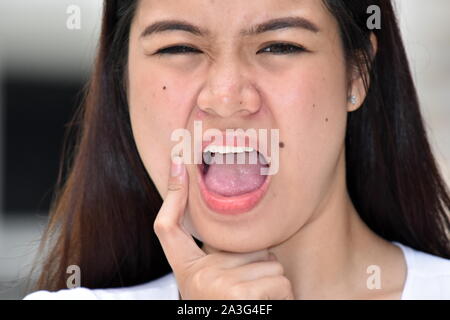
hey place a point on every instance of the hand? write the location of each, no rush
(218, 275)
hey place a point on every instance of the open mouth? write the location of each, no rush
(231, 179)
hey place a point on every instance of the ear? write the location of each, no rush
(357, 92)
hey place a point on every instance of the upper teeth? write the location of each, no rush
(227, 149)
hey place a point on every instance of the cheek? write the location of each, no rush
(312, 121)
(315, 112)
(155, 112)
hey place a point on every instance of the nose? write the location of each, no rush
(229, 91)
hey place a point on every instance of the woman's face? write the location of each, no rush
(235, 80)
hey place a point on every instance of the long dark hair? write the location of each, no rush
(102, 215)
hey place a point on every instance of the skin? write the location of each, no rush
(322, 247)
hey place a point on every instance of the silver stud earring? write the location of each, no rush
(353, 99)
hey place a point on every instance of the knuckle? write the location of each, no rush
(239, 291)
(175, 186)
(202, 277)
(225, 280)
(242, 291)
(278, 268)
(285, 283)
(256, 294)
(221, 281)
(162, 226)
(196, 280)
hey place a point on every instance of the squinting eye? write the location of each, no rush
(282, 48)
(277, 48)
(177, 50)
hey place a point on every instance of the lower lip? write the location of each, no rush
(232, 205)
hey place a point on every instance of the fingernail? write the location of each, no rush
(177, 166)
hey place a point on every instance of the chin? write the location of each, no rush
(235, 243)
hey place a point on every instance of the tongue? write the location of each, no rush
(233, 179)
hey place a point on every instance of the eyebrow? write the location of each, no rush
(271, 25)
(281, 23)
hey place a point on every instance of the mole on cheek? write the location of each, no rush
(326, 119)
(281, 144)
(164, 88)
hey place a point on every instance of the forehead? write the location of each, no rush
(216, 17)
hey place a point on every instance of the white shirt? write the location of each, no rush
(428, 277)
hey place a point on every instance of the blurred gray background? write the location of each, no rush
(44, 64)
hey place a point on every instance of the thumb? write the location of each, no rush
(178, 181)
(179, 246)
